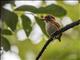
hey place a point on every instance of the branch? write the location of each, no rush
(55, 34)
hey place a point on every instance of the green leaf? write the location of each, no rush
(73, 11)
(42, 25)
(10, 19)
(6, 2)
(26, 8)
(26, 22)
(6, 32)
(53, 9)
(5, 43)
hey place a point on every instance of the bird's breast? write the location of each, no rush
(50, 28)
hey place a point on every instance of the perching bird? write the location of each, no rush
(52, 25)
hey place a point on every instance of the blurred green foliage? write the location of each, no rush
(26, 22)
(59, 11)
(10, 19)
(67, 49)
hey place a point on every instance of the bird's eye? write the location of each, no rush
(49, 16)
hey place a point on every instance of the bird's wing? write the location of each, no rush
(57, 25)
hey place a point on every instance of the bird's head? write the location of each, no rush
(49, 18)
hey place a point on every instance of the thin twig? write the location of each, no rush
(55, 34)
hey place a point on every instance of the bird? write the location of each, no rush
(52, 25)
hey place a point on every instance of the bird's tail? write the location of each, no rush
(59, 37)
